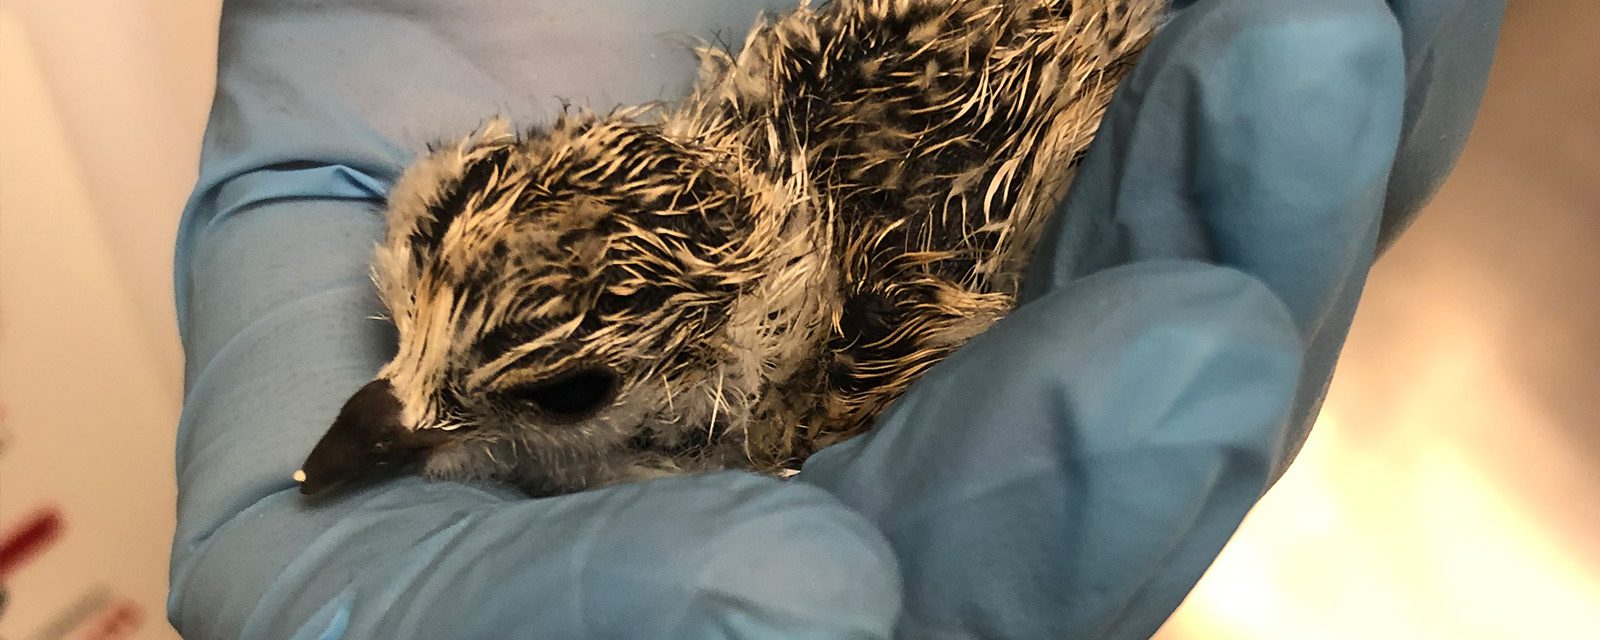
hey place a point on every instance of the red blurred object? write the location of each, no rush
(118, 621)
(32, 537)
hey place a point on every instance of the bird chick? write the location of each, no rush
(742, 278)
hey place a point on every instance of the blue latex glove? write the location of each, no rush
(1070, 474)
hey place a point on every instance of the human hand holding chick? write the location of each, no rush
(1070, 474)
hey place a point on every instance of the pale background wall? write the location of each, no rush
(1451, 490)
(102, 103)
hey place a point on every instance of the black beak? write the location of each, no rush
(366, 442)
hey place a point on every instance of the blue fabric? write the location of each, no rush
(1071, 473)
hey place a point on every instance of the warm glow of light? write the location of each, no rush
(1401, 524)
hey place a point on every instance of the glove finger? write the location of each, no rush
(1073, 471)
(723, 556)
(365, 83)
(1256, 134)
(1449, 45)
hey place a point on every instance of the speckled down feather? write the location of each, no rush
(758, 271)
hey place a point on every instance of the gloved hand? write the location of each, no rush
(1072, 472)
(1069, 474)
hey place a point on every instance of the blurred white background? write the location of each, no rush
(1451, 490)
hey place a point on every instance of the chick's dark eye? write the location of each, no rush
(570, 396)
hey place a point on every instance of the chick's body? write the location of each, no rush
(756, 272)
(936, 137)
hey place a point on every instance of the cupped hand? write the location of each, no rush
(1069, 474)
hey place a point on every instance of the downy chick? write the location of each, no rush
(740, 279)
